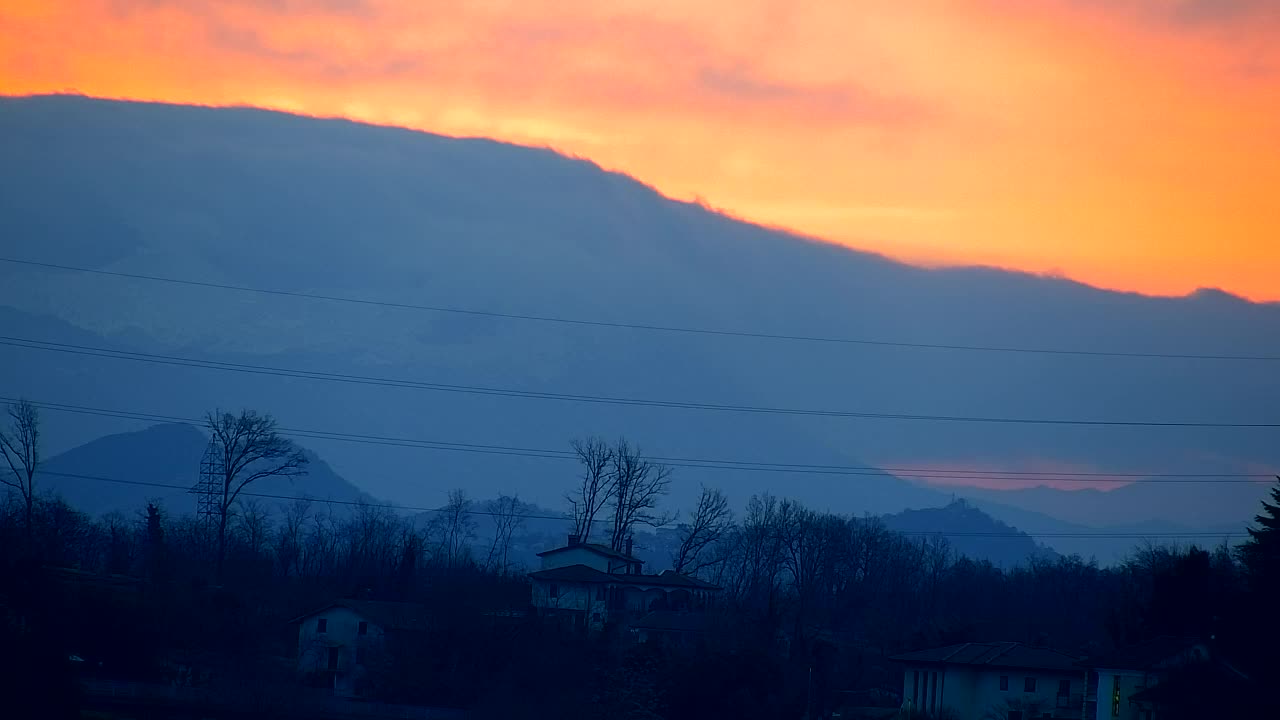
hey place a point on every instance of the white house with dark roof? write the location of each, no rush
(1125, 676)
(589, 585)
(337, 641)
(1006, 680)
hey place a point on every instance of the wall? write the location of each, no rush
(974, 693)
(988, 696)
(342, 632)
(573, 597)
(1131, 681)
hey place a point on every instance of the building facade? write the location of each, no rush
(338, 643)
(588, 586)
(1006, 680)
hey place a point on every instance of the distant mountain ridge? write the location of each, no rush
(165, 455)
(972, 533)
(263, 199)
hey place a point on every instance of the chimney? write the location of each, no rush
(629, 542)
(574, 539)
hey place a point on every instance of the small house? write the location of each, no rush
(337, 642)
(587, 585)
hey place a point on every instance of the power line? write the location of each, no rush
(91, 351)
(645, 326)
(680, 462)
(924, 533)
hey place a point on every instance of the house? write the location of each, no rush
(1006, 680)
(588, 585)
(337, 642)
(1123, 677)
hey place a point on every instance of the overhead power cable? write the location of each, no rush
(680, 462)
(647, 326)
(91, 351)
(924, 533)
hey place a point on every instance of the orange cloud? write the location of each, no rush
(1129, 144)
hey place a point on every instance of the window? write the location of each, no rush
(1004, 683)
(1064, 687)
(595, 618)
(933, 704)
(360, 655)
(1015, 715)
(322, 625)
(915, 688)
(333, 658)
(554, 591)
(1115, 696)
(1029, 684)
(600, 593)
(363, 629)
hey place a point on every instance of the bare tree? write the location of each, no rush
(254, 526)
(638, 484)
(20, 444)
(507, 518)
(711, 519)
(249, 449)
(456, 528)
(596, 488)
(289, 538)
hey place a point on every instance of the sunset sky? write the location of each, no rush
(1128, 144)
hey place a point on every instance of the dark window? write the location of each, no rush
(915, 688)
(554, 591)
(595, 617)
(1004, 682)
(333, 658)
(322, 625)
(360, 655)
(364, 628)
(1015, 715)
(1029, 685)
(933, 704)
(1064, 687)
(600, 593)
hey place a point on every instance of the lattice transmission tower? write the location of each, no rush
(208, 489)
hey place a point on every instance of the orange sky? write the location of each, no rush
(1128, 144)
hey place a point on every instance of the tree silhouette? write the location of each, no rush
(250, 449)
(1261, 553)
(20, 445)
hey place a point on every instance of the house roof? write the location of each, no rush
(593, 547)
(385, 614)
(1143, 656)
(572, 573)
(673, 621)
(993, 654)
(584, 574)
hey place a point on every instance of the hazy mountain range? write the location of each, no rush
(253, 198)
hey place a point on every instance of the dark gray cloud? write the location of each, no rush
(847, 101)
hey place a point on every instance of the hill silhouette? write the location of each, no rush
(249, 197)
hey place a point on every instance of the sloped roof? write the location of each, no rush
(994, 654)
(385, 614)
(1144, 655)
(585, 574)
(572, 573)
(593, 547)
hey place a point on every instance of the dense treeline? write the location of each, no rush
(813, 603)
